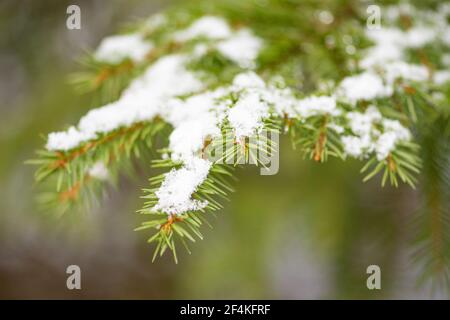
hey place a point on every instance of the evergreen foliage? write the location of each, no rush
(305, 51)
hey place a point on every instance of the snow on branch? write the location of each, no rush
(348, 119)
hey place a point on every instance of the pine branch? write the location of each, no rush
(218, 74)
(69, 171)
(185, 226)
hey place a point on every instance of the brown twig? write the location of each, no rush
(166, 227)
(320, 145)
(63, 158)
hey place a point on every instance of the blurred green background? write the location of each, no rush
(308, 232)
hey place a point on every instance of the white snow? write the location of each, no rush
(396, 127)
(441, 77)
(419, 36)
(394, 133)
(317, 105)
(362, 123)
(209, 27)
(141, 101)
(242, 48)
(377, 55)
(393, 12)
(66, 140)
(390, 44)
(282, 101)
(363, 86)
(385, 143)
(248, 80)
(402, 70)
(167, 77)
(385, 35)
(194, 119)
(175, 193)
(368, 137)
(114, 49)
(188, 138)
(389, 48)
(248, 113)
(356, 146)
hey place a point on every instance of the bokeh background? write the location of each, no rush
(308, 232)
